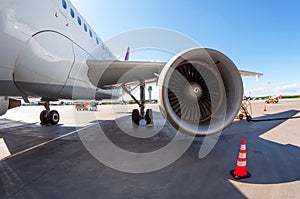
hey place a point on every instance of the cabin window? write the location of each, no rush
(64, 4)
(79, 20)
(91, 34)
(97, 40)
(85, 28)
(72, 13)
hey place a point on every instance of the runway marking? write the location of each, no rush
(4, 152)
(47, 142)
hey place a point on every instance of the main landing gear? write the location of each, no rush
(49, 117)
(137, 115)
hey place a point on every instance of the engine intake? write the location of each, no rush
(200, 91)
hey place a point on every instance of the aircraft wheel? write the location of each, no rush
(241, 116)
(53, 117)
(135, 116)
(149, 117)
(44, 117)
(249, 118)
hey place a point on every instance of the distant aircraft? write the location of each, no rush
(47, 52)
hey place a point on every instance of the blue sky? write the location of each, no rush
(260, 36)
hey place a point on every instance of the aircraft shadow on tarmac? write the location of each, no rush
(267, 161)
(20, 135)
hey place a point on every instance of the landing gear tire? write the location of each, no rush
(135, 117)
(44, 117)
(241, 116)
(249, 119)
(53, 117)
(149, 118)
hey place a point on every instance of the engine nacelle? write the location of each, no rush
(200, 91)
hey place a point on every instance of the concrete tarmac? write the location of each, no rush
(54, 161)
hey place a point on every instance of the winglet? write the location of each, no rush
(127, 54)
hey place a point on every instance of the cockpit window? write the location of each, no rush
(79, 20)
(72, 13)
(64, 4)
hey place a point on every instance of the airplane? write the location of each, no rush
(47, 51)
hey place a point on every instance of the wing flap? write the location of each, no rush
(104, 74)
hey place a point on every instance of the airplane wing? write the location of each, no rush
(107, 74)
(249, 73)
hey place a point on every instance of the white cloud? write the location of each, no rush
(289, 89)
(292, 88)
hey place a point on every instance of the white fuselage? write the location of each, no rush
(44, 48)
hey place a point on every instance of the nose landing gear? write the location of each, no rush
(49, 117)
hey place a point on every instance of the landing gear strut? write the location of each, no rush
(49, 117)
(137, 115)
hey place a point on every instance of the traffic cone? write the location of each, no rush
(240, 171)
(265, 108)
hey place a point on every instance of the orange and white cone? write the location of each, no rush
(265, 108)
(240, 171)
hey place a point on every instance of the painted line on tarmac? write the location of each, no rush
(4, 151)
(47, 142)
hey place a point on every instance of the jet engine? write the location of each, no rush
(200, 91)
